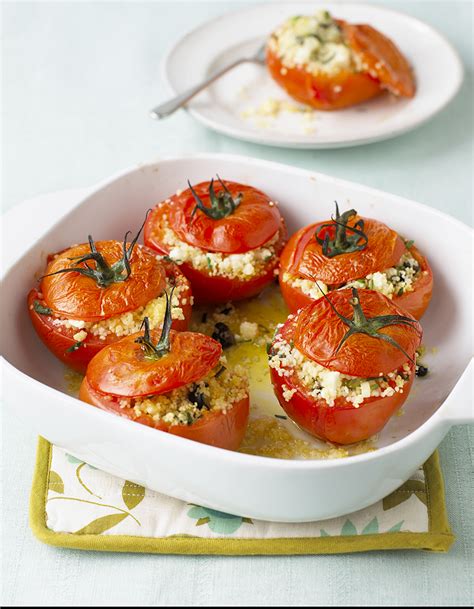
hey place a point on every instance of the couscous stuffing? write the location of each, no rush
(314, 43)
(322, 383)
(130, 322)
(391, 282)
(222, 388)
(235, 266)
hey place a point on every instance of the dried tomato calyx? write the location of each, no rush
(163, 346)
(360, 324)
(223, 203)
(341, 242)
(103, 273)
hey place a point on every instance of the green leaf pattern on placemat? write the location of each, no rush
(56, 483)
(73, 460)
(87, 501)
(102, 524)
(132, 495)
(348, 528)
(218, 522)
(371, 528)
(396, 527)
(81, 481)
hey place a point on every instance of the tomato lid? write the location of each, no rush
(123, 369)
(77, 294)
(381, 249)
(247, 220)
(358, 333)
(381, 58)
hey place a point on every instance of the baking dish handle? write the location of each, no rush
(460, 408)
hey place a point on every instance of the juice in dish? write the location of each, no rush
(246, 329)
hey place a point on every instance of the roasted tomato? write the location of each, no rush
(173, 381)
(353, 251)
(330, 64)
(93, 294)
(227, 243)
(343, 365)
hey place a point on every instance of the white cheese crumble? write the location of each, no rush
(321, 383)
(241, 266)
(287, 392)
(130, 322)
(218, 391)
(248, 330)
(314, 289)
(314, 42)
(391, 282)
(394, 281)
(239, 320)
(80, 336)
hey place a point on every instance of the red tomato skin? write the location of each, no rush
(59, 339)
(74, 296)
(341, 423)
(218, 429)
(415, 303)
(123, 370)
(317, 331)
(303, 256)
(294, 298)
(208, 289)
(319, 91)
(214, 428)
(217, 289)
(381, 57)
(253, 223)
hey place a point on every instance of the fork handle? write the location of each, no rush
(173, 104)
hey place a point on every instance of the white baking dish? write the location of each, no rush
(271, 489)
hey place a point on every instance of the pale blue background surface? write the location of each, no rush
(78, 81)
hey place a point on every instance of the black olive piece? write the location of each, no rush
(223, 334)
(226, 310)
(195, 396)
(221, 370)
(421, 370)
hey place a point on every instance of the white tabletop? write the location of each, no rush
(79, 79)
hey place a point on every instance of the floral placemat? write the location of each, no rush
(78, 506)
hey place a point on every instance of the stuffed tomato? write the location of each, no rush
(329, 64)
(93, 294)
(177, 382)
(342, 366)
(351, 251)
(225, 237)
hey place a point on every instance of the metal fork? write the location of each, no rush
(173, 104)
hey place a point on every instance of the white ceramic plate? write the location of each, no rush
(219, 41)
(269, 489)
